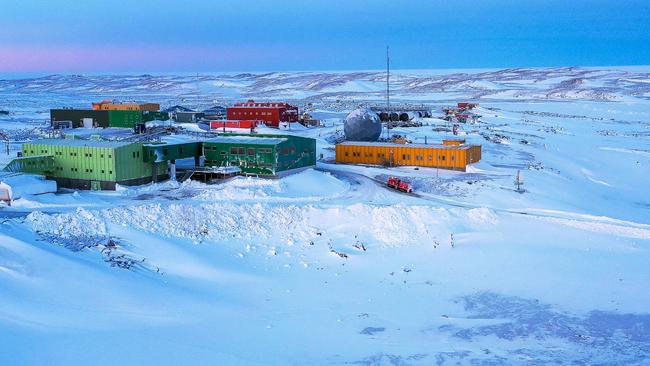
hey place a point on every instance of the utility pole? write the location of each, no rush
(388, 92)
(519, 181)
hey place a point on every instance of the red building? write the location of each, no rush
(270, 113)
(233, 124)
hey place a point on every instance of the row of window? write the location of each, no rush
(246, 151)
(273, 105)
(404, 156)
(249, 163)
(252, 114)
(87, 170)
(60, 153)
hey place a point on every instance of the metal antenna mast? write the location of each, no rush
(387, 92)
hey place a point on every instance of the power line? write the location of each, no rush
(388, 92)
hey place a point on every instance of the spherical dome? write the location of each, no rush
(362, 125)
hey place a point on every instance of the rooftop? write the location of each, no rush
(247, 140)
(80, 142)
(390, 144)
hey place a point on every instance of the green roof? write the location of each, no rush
(80, 142)
(246, 140)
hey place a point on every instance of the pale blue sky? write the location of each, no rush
(247, 35)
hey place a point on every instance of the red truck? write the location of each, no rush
(400, 185)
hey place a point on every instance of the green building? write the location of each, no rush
(260, 154)
(93, 164)
(101, 164)
(104, 118)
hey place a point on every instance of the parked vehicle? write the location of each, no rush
(400, 185)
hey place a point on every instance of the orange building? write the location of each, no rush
(107, 105)
(453, 142)
(454, 155)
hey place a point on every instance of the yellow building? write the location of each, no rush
(452, 155)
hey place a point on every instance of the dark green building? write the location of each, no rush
(104, 118)
(260, 154)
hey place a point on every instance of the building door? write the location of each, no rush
(95, 185)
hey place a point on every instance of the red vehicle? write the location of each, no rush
(400, 185)
(466, 105)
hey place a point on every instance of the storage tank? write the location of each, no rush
(362, 125)
(87, 122)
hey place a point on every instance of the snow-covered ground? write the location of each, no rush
(327, 266)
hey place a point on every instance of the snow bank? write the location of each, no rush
(389, 226)
(22, 185)
(308, 185)
(82, 223)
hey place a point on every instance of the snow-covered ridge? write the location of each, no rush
(525, 83)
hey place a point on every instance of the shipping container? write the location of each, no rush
(148, 116)
(453, 141)
(124, 119)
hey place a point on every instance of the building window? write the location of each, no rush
(251, 151)
(443, 158)
(223, 152)
(453, 158)
(242, 151)
(233, 150)
(430, 157)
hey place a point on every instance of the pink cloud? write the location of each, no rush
(98, 58)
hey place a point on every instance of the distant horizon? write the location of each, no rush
(27, 74)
